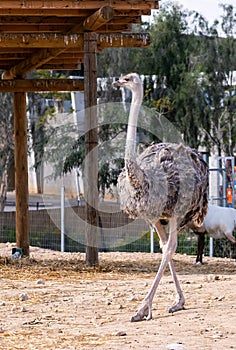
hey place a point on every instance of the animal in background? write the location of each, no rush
(219, 223)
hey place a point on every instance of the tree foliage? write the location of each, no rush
(189, 74)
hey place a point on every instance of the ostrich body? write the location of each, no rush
(167, 181)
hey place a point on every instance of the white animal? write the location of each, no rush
(219, 223)
(167, 181)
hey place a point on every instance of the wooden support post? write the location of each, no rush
(91, 152)
(21, 172)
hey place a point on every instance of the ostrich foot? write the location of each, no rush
(144, 313)
(179, 305)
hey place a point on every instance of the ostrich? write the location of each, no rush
(168, 181)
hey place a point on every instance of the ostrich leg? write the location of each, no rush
(180, 300)
(145, 311)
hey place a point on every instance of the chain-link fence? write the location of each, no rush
(116, 232)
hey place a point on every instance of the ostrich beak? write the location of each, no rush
(120, 82)
(116, 83)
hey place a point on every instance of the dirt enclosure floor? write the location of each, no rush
(53, 301)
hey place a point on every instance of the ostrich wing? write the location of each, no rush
(166, 180)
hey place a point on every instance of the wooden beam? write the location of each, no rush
(10, 50)
(62, 41)
(19, 56)
(41, 85)
(13, 6)
(61, 25)
(123, 40)
(70, 13)
(103, 15)
(30, 28)
(95, 21)
(33, 62)
(55, 65)
(21, 172)
(61, 66)
(33, 20)
(91, 148)
(41, 40)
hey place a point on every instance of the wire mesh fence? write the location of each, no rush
(116, 232)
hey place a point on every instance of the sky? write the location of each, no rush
(208, 8)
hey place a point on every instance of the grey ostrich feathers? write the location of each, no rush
(167, 181)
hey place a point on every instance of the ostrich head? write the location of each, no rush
(132, 81)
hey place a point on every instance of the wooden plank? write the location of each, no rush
(33, 62)
(68, 41)
(10, 50)
(123, 40)
(61, 13)
(42, 12)
(61, 66)
(41, 57)
(41, 85)
(40, 40)
(76, 5)
(91, 151)
(36, 22)
(21, 172)
(30, 28)
(93, 22)
(123, 26)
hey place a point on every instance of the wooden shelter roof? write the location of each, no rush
(48, 34)
(60, 35)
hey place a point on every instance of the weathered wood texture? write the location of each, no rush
(21, 172)
(36, 34)
(42, 56)
(91, 150)
(41, 85)
(68, 41)
(72, 5)
(54, 45)
(95, 21)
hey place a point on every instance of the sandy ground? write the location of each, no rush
(53, 301)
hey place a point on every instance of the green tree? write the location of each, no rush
(39, 118)
(116, 61)
(177, 72)
(194, 67)
(217, 55)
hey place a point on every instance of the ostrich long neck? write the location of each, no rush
(130, 150)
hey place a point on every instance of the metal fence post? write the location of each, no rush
(62, 218)
(151, 239)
